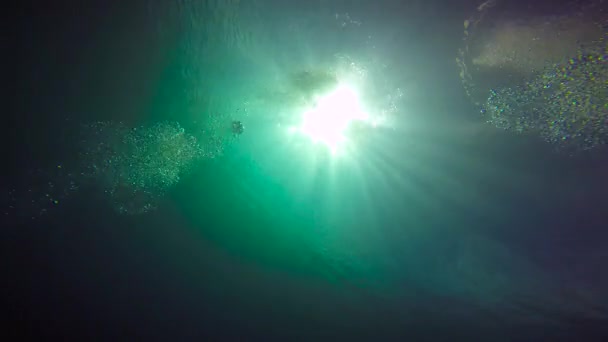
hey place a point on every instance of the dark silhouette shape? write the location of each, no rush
(237, 127)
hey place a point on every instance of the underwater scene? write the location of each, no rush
(341, 170)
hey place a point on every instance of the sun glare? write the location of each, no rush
(327, 122)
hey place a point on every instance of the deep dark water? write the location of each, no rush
(88, 273)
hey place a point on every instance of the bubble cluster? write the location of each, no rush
(567, 105)
(131, 168)
(543, 74)
(135, 167)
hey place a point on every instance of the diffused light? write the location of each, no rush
(327, 122)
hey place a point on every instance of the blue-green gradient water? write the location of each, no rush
(425, 223)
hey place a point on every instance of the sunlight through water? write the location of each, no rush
(327, 121)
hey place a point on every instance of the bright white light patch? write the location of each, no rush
(326, 123)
